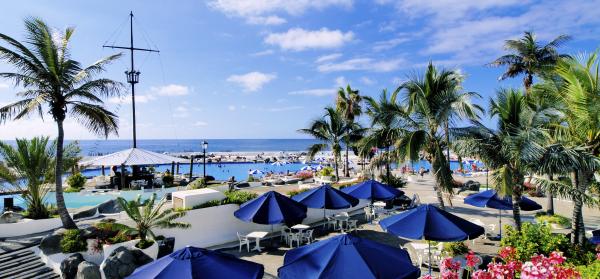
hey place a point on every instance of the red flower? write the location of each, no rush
(472, 260)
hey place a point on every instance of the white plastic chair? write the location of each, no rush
(331, 222)
(243, 241)
(368, 213)
(352, 225)
(295, 237)
(285, 232)
(308, 236)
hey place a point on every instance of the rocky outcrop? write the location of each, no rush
(122, 262)
(69, 266)
(107, 207)
(88, 270)
(10, 217)
(51, 244)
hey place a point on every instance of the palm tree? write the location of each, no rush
(348, 103)
(330, 129)
(434, 102)
(385, 126)
(148, 216)
(28, 168)
(52, 80)
(530, 58)
(581, 96)
(512, 149)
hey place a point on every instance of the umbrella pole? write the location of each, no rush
(500, 223)
(429, 247)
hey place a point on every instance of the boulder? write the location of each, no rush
(122, 262)
(109, 207)
(51, 244)
(10, 217)
(87, 213)
(471, 186)
(69, 266)
(88, 270)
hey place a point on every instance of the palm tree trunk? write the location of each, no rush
(387, 164)
(579, 182)
(527, 82)
(335, 166)
(347, 163)
(516, 208)
(60, 200)
(447, 131)
(550, 199)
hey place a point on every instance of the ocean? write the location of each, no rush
(99, 147)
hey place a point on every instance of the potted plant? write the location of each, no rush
(147, 216)
(555, 221)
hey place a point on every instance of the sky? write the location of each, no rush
(264, 69)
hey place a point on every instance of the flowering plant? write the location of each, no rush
(304, 174)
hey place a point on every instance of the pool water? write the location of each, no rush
(221, 171)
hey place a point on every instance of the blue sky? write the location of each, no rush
(263, 69)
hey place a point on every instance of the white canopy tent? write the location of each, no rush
(132, 157)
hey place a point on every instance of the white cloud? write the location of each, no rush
(280, 109)
(320, 92)
(260, 8)
(299, 39)
(231, 108)
(473, 32)
(341, 81)
(252, 81)
(389, 44)
(126, 99)
(266, 20)
(200, 124)
(171, 90)
(364, 64)
(367, 81)
(328, 57)
(263, 53)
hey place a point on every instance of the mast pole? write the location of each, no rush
(132, 83)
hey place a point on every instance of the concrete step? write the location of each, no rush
(24, 263)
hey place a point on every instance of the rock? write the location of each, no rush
(242, 184)
(89, 232)
(122, 262)
(88, 270)
(69, 266)
(51, 244)
(10, 217)
(471, 186)
(87, 213)
(279, 182)
(110, 207)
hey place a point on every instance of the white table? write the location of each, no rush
(258, 236)
(379, 204)
(300, 227)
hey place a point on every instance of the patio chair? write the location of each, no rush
(368, 213)
(295, 237)
(308, 236)
(331, 222)
(285, 232)
(489, 228)
(243, 241)
(352, 225)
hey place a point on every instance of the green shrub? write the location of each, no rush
(73, 241)
(590, 271)
(455, 248)
(326, 171)
(108, 231)
(72, 190)
(208, 204)
(296, 192)
(533, 239)
(238, 197)
(197, 184)
(250, 178)
(168, 180)
(143, 244)
(396, 182)
(76, 181)
(542, 217)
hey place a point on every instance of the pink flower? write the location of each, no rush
(480, 274)
(472, 260)
(427, 277)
